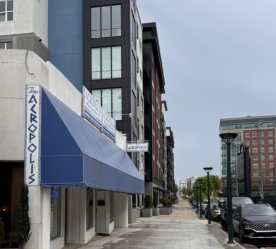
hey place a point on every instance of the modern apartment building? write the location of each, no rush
(113, 67)
(113, 64)
(79, 180)
(258, 133)
(170, 162)
(154, 88)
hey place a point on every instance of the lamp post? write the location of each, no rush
(208, 169)
(228, 138)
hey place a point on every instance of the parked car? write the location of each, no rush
(215, 211)
(204, 206)
(255, 221)
(236, 202)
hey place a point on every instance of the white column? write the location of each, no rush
(40, 213)
(121, 210)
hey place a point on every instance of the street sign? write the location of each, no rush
(32, 139)
(138, 147)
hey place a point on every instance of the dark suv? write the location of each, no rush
(255, 221)
(236, 202)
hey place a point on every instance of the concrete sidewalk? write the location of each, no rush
(181, 230)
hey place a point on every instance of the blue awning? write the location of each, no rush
(73, 153)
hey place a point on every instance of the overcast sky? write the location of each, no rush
(219, 60)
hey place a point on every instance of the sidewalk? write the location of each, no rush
(181, 230)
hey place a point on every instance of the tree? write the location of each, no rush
(214, 187)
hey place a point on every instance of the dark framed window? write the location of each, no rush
(106, 63)
(6, 10)
(5, 45)
(106, 21)
(110, 100)
(55, 213)
(89, 208)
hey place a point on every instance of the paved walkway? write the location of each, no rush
(181, 230)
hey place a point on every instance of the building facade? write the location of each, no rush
(154, 88)
(170, 163)
(244, 171)
(258, 133)
(113, 67)
(82, 191)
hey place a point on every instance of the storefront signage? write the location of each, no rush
(137, 147)
(93, 112)
(32, 139)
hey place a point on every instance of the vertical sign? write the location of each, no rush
(32, 139)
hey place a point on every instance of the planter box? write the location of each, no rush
(146, 212)
(134, 214)
(165, 210)
(155, 212)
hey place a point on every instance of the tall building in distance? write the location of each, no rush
(170, 162)
(258, 133)
(154, 88)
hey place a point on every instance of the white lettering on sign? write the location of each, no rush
(137, 147)
(32, 139)
(93, 112)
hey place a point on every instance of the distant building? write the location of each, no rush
(244, 171)
(170, 162)
(258, 133)
(154, 88)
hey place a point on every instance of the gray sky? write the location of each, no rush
(219, 60)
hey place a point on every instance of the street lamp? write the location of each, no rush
(228, 138)
(208, 169)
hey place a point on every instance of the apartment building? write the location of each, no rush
(258, 133)
(154, 88)
(170, 162)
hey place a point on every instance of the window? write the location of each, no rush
(133, 70)
(271, 157)
(6, 10)
(106, 21)
(133, 31)
(89, 208)
(270, 141)
(254, 134)
(6, 45)
(271, 149)
(247, 134)
(116, 20)
(55, 213)
(106, 63)
(270, 133)
(111, 101)
(254, 150)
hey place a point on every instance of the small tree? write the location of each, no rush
(21, 234)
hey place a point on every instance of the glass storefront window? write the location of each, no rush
(55, 213)
(89, 209)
